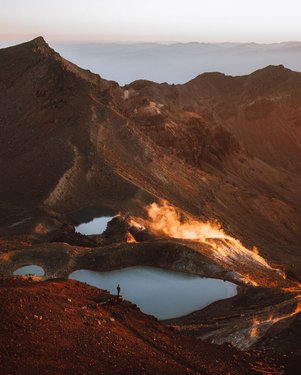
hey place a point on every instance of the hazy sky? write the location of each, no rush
(156, 20)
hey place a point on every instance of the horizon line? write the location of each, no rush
(24, 39)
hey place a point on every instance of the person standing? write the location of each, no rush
(118, 290)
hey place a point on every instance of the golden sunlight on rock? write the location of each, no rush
(40, 229)
(254, 330)
(130, 238)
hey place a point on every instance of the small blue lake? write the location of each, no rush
(30, 270)
(91, 220)
(95, 226)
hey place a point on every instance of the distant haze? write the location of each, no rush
(178, 63)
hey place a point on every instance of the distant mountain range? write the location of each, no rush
(178, 63)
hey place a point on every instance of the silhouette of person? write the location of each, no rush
(118, 290)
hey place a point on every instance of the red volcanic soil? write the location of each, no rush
(65, 327)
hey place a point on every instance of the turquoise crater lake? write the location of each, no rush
(91, 220)
(162, 293)
(30, 270)
(95, 226)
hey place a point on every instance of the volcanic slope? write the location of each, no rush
(219, 147)
(102, 334)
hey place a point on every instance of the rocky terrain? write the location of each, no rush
(205, 177)
(69, 327)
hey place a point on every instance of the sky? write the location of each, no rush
(261, 21)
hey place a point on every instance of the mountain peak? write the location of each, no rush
(272, 69)
(39, 45)
(38, 41)
(36, 45)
